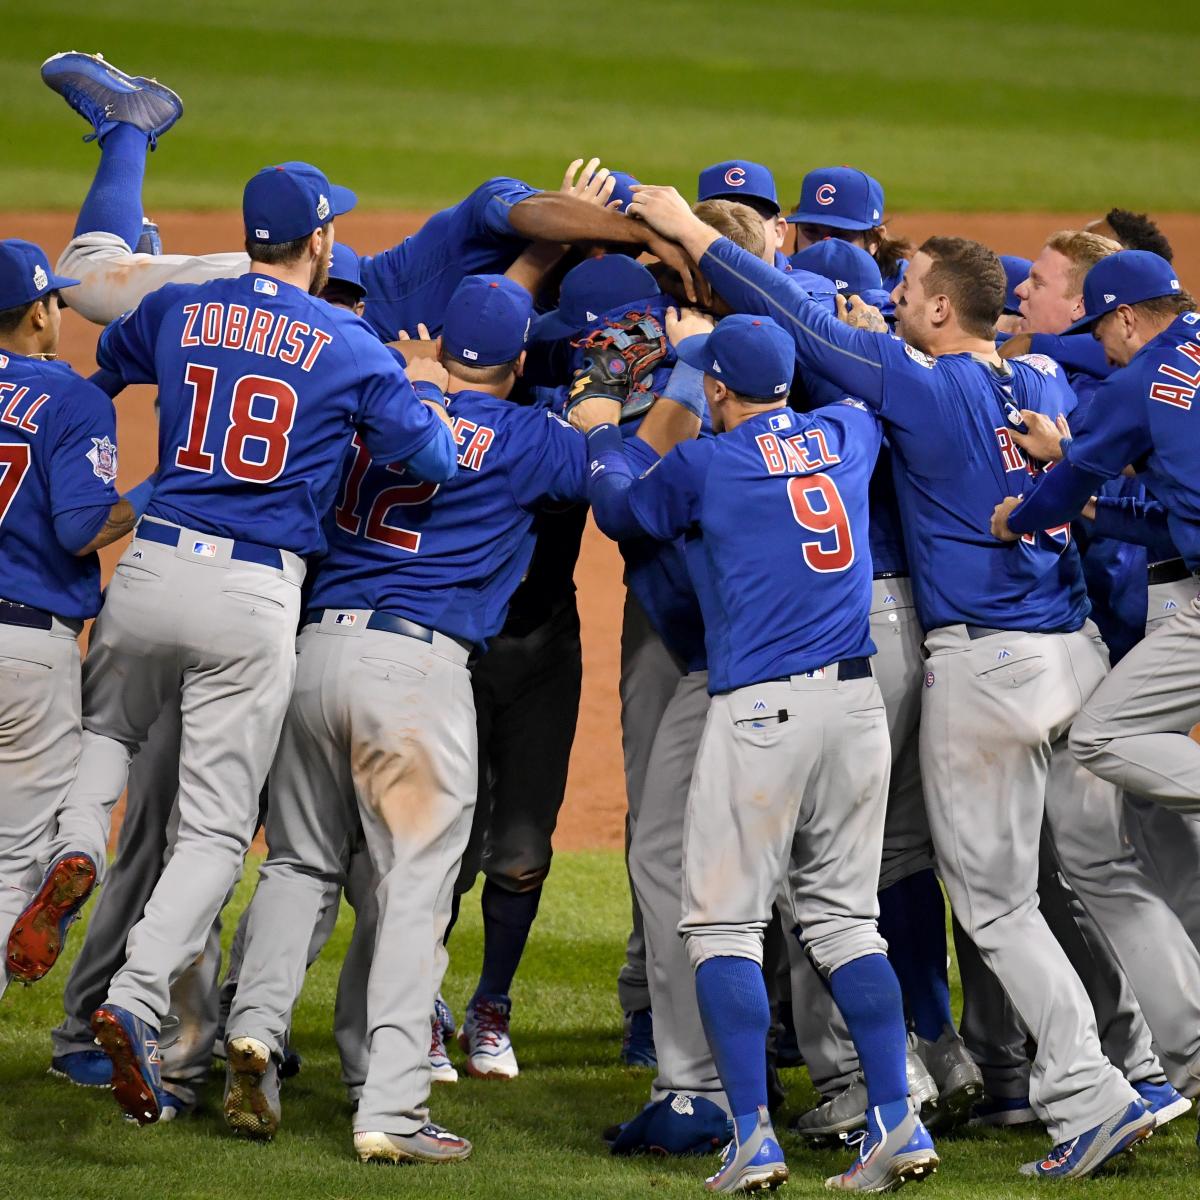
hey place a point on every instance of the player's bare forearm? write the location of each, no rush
(667, 424)
(534, 263)
(120, 521)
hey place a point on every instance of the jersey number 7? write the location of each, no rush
(830, 519)
(265, 437)
(14, 462)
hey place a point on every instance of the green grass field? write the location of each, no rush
(1023, 105)
(534, 1137)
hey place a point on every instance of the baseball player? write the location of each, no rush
(792, 768)
(407, 284)
(416, 578)
(1130, 729)
(996, 619)
(58, 506)
(257, 380)
(753, 185)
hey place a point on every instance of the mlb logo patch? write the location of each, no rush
(779, 421)
(204, 549)
(103, 457)
(819, 673)
(266, 287)
(346, 619)
(262, 234)
(3, 361)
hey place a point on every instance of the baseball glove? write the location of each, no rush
(618, 363)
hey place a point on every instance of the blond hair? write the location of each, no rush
(738, 222)
(1083, 250)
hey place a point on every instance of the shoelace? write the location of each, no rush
(491, 1024)
(437, 1044)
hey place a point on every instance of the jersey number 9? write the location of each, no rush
(835, 550)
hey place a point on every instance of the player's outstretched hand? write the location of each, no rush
(1043, 441)
(858, 314)
(593, 411)
(684, 323)
(414, 348)
(1000, 529)
(663, 209)
(590, 182)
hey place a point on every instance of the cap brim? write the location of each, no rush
(350, 285)
(695, 352)
(1085, 324)
(551, 327)
(834, 222)
(341, 200)
(742, 197)
(57, 283)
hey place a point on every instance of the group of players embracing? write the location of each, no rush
(908, 548)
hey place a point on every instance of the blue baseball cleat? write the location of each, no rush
(637, 1045)
(132, 1047)
(675, 1125)
(894, 1149)
(1003, 1112)
(1089, 1151)
(84, 1068)
(105, 96)
(753, 1165)
(39, 933)
(445, 1017)
(1163, 1101)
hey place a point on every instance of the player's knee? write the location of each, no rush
(703, 944)
(1089, 738)
(831, 949)
(519, 875)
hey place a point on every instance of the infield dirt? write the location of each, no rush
(593, 815)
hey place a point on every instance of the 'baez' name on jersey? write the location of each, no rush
(256, 331)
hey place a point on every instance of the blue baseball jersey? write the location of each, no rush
(260, 386)
(451, 556)
(58, 454)
(774, 516)
(953, 452)
(413, 282)
(1146, 414)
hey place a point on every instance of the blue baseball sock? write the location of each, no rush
(507, 919)
(868, 995)
(736, 1016)
(912, 919)
(114, 201)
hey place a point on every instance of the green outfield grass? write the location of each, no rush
(1023, 105)
(537, 1136)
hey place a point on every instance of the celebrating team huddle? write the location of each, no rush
(909, 540)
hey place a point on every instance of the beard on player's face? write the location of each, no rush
(324, 262)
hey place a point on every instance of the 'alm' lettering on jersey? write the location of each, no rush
(12, 413)
(476, 440)
(1183, 389)
(256, 331)
(786, 456)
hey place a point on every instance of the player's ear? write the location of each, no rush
(519, 365)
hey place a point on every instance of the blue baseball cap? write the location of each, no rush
(344, 268)
(1127, 277)
(593, 287)
(623, 190)
(487, 320)
(850, 269)
(842, 197)
(289, 201)
(738, 179)
(1016, 271)
(25, 274)
(750, 355)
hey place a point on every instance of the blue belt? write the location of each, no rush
(847, 668)
(390, 623)
(168, 535)
(25, 615)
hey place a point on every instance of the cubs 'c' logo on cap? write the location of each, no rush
(825, 193)
(322, 208)
(40, 279)
(735, 176)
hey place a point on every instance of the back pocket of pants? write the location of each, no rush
(1012, 672)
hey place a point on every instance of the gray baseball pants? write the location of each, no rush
(994, 720)
(39, 748)
(649, 676)
(226, 629)
(380, 734)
